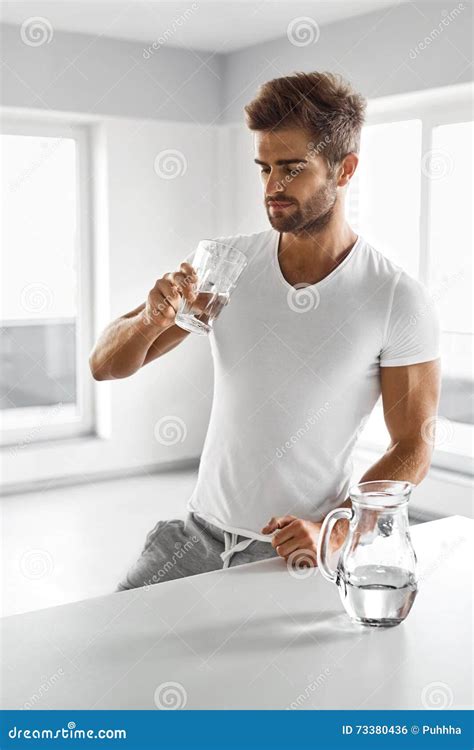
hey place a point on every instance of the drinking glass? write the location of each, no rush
(218, 267)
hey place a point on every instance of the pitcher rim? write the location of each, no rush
(403, 495)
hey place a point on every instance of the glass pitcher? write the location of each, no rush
(376, 569)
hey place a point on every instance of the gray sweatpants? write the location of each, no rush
(177, 548)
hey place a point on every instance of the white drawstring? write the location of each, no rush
(231, 546)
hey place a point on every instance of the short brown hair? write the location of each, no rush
(325, 104)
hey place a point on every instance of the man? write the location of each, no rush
(319, 326)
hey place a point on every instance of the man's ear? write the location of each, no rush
(346, 169)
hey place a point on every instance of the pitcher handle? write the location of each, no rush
(324, 537)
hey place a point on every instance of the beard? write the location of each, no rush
(312, 216)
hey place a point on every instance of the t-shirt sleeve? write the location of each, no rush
(412, 332)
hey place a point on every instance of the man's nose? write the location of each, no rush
(274, 186)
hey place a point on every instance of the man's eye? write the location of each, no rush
(264, 171)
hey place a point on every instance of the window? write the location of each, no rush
(412, 198)
(45, 386)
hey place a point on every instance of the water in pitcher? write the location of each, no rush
(378, 595)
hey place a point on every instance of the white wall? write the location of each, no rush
(372, 51)
(150, 225)
(103, 76)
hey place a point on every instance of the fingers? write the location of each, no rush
(188, 269)
(287, 548)
(297, 535)
(277, 523)
(185, 279)
(292, 530)
(164, 299)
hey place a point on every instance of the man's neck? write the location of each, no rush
(308, 258)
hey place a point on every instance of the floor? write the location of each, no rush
(73, 543)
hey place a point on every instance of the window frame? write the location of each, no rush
(37, 424)
(434, 107)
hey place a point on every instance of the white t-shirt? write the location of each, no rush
(296, 374)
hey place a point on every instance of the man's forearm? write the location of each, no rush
(407, 462)
(122, 347)
(403, 461)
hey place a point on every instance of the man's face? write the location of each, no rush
(295, 174)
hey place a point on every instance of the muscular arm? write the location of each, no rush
(129, 343)
(410, 397)
(145, 333)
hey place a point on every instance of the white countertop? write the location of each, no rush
(251, 637)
